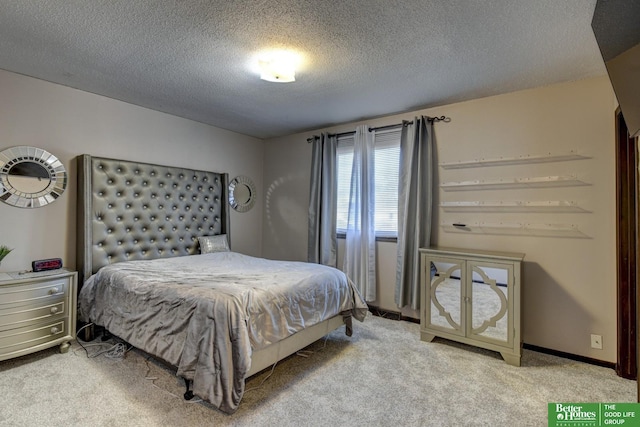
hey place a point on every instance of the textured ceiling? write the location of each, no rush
(362, 58)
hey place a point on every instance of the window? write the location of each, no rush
(387, 164)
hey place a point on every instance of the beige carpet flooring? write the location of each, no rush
(382, 376)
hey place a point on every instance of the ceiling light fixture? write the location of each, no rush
(278, 66)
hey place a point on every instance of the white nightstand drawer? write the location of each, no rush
(19, 316)
(36, 293)
(31, 336)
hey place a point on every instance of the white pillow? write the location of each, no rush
(209, 244)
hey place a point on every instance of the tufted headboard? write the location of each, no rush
(134, 211)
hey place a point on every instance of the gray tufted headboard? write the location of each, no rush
(133, 211)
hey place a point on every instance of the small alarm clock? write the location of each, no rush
(46, 264)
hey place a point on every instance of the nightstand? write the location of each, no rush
(37, 311)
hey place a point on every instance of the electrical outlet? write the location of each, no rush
(596, 341)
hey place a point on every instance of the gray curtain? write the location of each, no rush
(415, 198)
(360, 245)
(322, 244)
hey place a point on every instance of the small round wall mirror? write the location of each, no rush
(242, 193)
(30, 177)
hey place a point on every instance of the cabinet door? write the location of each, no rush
(446, 294)
(489, 302)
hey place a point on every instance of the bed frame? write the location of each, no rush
(139, 211)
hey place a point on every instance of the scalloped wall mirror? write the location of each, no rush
(30, 177)
(242, 193)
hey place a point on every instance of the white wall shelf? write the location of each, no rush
(532, 182)
(512, 206)
(515, 229)
(503, 161)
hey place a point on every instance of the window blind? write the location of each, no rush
(387, 158)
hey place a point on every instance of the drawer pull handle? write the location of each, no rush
(54, 310)
(55, 330)
(53, 291)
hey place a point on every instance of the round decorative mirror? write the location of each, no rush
(30, 177)
(242, 193)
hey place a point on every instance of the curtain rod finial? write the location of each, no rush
(439, 119)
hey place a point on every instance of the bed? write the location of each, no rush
(217, 316)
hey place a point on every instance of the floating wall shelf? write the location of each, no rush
(533, 182)
(503, 161)
(512, 206)
(515, 229)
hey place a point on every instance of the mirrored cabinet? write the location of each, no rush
(473, 297)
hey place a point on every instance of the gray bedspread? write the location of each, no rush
(206, 313)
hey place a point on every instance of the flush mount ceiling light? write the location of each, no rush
(278, 66)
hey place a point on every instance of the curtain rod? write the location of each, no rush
(397, 125)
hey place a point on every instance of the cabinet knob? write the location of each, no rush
(55, 330)
(54, 310)
(53, 291)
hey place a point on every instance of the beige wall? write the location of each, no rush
(69, 122)
(569, 282)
